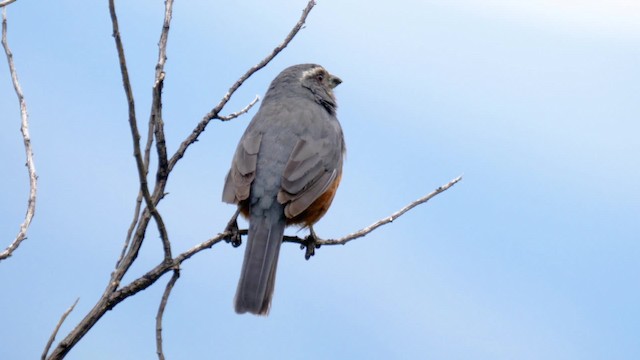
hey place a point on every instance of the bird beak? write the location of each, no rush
(335, 81)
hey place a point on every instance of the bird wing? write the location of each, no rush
(312, 167)
(243, 169)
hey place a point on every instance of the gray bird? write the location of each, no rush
(286, 170)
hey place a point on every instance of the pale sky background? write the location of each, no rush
(534, 255)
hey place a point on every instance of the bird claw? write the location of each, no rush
(311, 243)
(234, 237)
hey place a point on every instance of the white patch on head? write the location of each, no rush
(312, 72)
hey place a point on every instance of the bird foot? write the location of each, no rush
(232, 227)
(311, 243)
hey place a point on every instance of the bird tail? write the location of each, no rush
(258, 275)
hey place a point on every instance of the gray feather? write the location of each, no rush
(257, 277)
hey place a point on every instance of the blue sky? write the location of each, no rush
(532, 256)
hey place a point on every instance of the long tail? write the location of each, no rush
(258, 275)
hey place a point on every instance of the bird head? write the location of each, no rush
(309, 81)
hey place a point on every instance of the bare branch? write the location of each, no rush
(126, 84)
(157, 123)
(24, 129)
(55, 331)
(150, 277)
(6, 2)
(156, 107)
(215, 112)
(132, 227)
(139, 226)
(135, 134)
(154, 274)
(241, 112)
(392, 217)
(136, 212)
(163, 304)
(377, 224)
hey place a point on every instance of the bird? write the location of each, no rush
(285, 171)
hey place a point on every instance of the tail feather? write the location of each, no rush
(257, 278)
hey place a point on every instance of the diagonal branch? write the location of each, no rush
(156, 122)
(24, 129)
(163, 304)
(215, 112)
(55, 331)
(312, 242)
(241, 112)
(156, 107)
(391, 218)
(138, 207)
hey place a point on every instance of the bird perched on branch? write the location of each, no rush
(285, 171)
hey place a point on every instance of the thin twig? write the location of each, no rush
(156, 118)
(156, 103)
(241, 112)
(24, 129)
(132, 227)
(163, 304)
(6, 2)
(215, 112)
(136, 212)
(362, 232)
(391, 218)
(55, 331)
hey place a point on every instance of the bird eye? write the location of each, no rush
(320, 77)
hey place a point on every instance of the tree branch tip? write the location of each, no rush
(53, 335)
(240, 112)
(5, 3)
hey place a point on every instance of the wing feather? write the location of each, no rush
(237, 185)
(312, 166)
